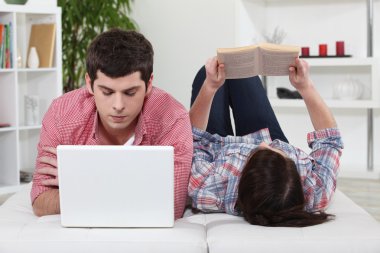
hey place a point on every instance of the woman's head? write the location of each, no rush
(270, 192)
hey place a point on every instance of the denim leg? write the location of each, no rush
(251, 108)
(219, 120)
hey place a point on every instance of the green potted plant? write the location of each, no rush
(82, 20)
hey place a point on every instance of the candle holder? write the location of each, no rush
(340, 48)
(322, 49)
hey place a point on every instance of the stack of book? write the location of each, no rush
(6, 46)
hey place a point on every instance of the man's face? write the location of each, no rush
(118, 100)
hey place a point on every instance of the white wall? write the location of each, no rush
(185, 33)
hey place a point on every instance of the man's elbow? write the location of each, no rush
(38, 211)
(47, 203)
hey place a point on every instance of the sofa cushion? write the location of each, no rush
(22, 231)
(353, 230)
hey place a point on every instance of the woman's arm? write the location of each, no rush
(320, 114)
(200, 110)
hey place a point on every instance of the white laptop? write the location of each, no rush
(116, 186)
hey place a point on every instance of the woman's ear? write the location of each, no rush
(88, 84)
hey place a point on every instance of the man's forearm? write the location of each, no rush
(47, 203)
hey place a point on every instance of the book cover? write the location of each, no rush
(1, 44)
(42, 37)
(7, 47)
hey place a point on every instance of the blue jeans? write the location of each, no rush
(251, 108)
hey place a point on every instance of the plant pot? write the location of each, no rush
(16, 1)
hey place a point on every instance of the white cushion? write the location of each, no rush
(353, 230)
(21, 231)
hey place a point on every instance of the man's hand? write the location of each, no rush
(51, 168)
(215, 75)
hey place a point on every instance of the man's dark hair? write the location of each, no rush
(118, 53)
(270, 193)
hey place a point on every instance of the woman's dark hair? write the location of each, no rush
(118, 53)
(270, 193)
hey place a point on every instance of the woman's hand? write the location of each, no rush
(215, 75)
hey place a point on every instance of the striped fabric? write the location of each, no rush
(72, 119)
(218, 162)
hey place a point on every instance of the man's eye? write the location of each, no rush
(107, 93)
(130, 94)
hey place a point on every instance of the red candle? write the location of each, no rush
(322, 49)
(305, 52)
(340, 48)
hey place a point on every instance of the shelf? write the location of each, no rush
(7, 70)
(37, 127)
(7, 129)
(289, 103)
(295, 1)
(37, 70)
(327, 62)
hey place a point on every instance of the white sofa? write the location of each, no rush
(353, 230)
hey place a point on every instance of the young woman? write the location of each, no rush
(257, 174)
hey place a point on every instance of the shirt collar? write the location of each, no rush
(140, 129)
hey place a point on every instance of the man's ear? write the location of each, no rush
(88, 84)
(149, 85)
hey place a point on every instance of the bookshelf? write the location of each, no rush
(18, 142)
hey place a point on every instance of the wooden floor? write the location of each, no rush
(364, 192)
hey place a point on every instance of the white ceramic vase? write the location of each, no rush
(349, 89)
(33, 60)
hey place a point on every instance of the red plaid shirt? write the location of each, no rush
(218, 162)
(72, 119)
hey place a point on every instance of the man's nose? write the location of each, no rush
(118, 103)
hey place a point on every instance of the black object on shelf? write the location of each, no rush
(5, 124)
(26, 177)
(287, 94)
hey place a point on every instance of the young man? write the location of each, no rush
(269, 183)
(118, 106)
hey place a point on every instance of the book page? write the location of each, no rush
(240, 62)
(275, 61)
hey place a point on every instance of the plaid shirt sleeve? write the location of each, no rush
(206, 188)
(320, 174)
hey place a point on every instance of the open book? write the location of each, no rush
(261, 59)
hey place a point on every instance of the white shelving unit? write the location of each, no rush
(18, 143)
(327, 73)
(347, 20)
